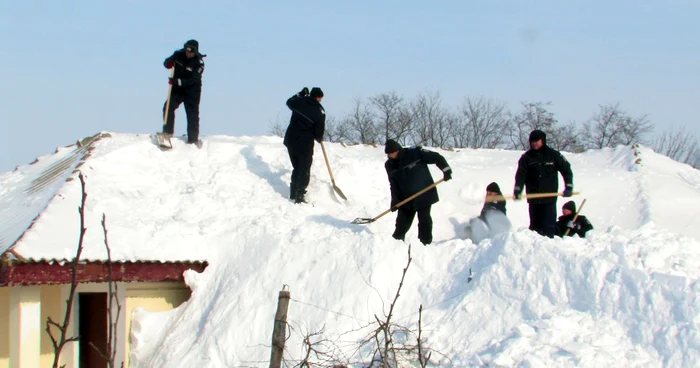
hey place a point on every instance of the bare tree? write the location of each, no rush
(534, 115)
(611, 126)
(387, 107)
(423, 358)
(431, 127)
(336, 132)
(678, 144)
(359, 123)
(58, 343)
(483, 124)
(635, 130)
(404, 123)
(565, 138)
(109, 354)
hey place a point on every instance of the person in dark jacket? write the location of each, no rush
(493, 190)
(566, 221)
(492, 220)
(537, 172)
(186, 88)
(408, 173)
(307, 124)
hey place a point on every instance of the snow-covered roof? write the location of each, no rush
(27, 191)
(626, 295)
(176, 205)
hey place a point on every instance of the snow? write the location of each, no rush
(627, 295)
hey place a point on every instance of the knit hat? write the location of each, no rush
(536, 135)
(192, 44)
(570, 205)
(316, 92)
(493, 187)
(391, 146)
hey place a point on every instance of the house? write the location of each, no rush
(39, 236)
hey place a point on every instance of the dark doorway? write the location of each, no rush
(92, 329)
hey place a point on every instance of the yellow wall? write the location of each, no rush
(52, 305)
(153, 297)
(4, 327)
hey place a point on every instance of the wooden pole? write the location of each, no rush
(280, 327)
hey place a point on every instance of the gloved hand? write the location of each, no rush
(447, 175)
(169, 64)
(517, 193)
(572, 225)
(173, 81)
(569, 191)
(304, 92)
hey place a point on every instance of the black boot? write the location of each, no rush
(300, 197)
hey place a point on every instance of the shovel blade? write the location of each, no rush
(361, 221)
(339, 192)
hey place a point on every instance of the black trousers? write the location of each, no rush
(543, 218)
(191, 100)
(301, 173)
(404, 219)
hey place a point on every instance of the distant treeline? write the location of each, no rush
(485, 123)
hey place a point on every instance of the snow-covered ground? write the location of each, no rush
(627, 295)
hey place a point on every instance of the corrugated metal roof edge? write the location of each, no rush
(86, 144)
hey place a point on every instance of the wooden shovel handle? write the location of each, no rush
(429, 187)
(499, 198)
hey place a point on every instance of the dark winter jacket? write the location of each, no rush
(308, 123)
(409, 174)
(492, 206)
(580, 226)
(188, 71)
(537, 171)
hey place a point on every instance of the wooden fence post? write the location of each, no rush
(280, 327)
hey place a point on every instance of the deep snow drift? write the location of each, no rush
(627, 295)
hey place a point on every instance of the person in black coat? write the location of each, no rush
(493, 190)
(186, 88)
(566, 221)
(307, 124)
(492, 220)
(537, 172)
(408, 173)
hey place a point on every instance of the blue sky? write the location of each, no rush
(70, 71)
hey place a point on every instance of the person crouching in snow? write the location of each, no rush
(492, 219)
(566, 221)
(408, 173)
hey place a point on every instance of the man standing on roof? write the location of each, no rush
(408, 173)
(186, 88)
(537, 172)
(307, 124)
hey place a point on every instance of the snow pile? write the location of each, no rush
(624, 296)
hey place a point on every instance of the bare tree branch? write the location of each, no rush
(612, 126)
(59, 343)
(680, 145)
(534, 115)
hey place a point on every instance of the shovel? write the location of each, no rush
(361, 220)
(165, 137)
(575, 217)
(500, 198)
(328, 165)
